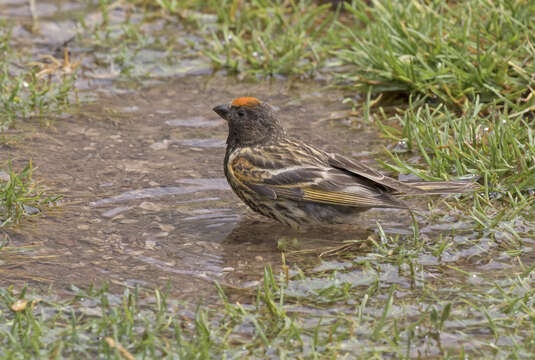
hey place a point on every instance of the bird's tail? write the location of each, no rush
(441, 187)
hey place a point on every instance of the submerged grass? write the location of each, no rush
(252, 38)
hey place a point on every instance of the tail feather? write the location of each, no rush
(442, 187)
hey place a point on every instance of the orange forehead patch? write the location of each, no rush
(245, 101)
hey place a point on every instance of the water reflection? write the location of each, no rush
(198, 185)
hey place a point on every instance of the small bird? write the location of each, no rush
(297, 184)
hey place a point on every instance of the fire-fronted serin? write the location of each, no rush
(297, 184)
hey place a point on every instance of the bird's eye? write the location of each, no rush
(241, 113)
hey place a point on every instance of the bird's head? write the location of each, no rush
(250, 121)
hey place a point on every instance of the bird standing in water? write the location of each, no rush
(297, 184)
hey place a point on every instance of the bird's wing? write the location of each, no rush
(303, 179)
(372, 176)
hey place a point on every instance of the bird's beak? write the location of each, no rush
(222, 110)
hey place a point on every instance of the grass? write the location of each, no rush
(466, 70)
(446, 51)
(268, 38)
(452, 51)
(23, 93)
(440, 50)
(494, 145)
(20, 196)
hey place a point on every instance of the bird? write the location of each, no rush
(297, 184)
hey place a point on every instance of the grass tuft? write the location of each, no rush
(497, 146)
(20, 196)
(269, 38)
(23, 93)
(452, 51)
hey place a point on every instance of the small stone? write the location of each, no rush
(83, 227)
(92, 133)
(114, 238)
(250, 284)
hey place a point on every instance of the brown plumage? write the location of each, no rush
(297, 184)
